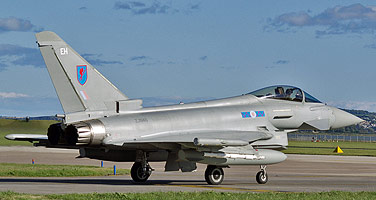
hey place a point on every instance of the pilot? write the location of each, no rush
(288, 93)
(279, 92)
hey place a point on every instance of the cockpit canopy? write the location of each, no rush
(285, 92)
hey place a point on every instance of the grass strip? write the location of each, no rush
(327, 148)
(197, 195)
(13, 126)
(40, 170)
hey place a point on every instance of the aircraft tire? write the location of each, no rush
(214, 175)
(261, 177)
(137, 173)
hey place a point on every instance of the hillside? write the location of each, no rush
(366, 127)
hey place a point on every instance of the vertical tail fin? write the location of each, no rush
(79, 86)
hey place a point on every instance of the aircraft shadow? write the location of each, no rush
(100, 181)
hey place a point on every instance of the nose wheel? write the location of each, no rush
(214, 175)
(262, 176)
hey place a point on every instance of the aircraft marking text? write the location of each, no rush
(142, 120)
(63, 51)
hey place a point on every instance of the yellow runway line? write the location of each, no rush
(219, 188)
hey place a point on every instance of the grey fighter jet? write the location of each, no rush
(104, 124)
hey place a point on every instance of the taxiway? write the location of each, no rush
(308, 173)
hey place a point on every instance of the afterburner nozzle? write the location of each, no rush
(343, 118)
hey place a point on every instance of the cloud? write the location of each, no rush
(96, 61)
(355, 18)
(138, 8)
(17, 24)
(2, 65)
(128, 5)
(18, 55)
(278, 63)
(143, 61)
(29, 106)
(148, 61)
(229, 68)
(370, 46)
(281, 62)
(203, 58)
(136, 58)
(354, 105)
(195, 6)
(155, 7)
(7, 95)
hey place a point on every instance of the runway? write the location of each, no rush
(308, 173)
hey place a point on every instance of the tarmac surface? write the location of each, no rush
(299, 173)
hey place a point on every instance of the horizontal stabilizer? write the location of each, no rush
(27, 137)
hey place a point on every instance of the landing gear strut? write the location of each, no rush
(262, 176)
(141, 170)
(214, 175)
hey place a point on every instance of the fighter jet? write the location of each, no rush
(105, 124)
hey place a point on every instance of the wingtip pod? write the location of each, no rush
(10, 137)
(26, 137)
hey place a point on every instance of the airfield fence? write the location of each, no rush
(331, 138)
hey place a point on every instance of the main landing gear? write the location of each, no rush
(262, 176)
(214, 175)
(141, 170)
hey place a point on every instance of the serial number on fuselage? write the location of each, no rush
(141, 120)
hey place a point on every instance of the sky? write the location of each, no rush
(171, 51)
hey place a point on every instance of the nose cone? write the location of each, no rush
(343, 119)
